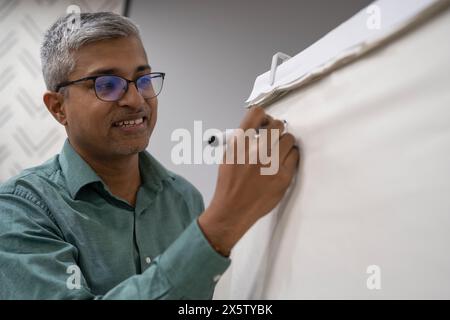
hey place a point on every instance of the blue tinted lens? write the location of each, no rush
(110, 88)
(149, 85)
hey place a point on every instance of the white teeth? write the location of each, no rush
(129, 123)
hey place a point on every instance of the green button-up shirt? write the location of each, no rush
(64, 235)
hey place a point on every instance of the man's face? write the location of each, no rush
(90, 121)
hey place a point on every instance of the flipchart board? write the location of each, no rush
(368, 215)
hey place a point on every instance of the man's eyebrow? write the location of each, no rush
(143, 68)
(116, 71)
(103, 71)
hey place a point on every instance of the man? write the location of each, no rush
(104, 219)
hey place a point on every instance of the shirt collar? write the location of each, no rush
(78, 173)
(153, 173)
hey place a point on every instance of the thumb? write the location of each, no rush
(255, 118)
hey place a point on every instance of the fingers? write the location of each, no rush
(274, 137)
(291, 161)
(274, 124)
(255, 118)
(287, 143)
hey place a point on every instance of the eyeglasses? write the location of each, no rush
(111, 88)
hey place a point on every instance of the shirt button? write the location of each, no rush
(148, 260)
(216, 278)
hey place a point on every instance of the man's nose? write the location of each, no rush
(132, 98)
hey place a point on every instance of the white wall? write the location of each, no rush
(212, 52)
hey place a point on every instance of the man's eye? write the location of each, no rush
(105, 86)
(145, 82)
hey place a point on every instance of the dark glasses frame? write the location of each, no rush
(94, 78)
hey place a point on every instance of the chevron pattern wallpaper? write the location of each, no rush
(28, 133)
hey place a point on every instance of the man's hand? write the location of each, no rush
(243, 194)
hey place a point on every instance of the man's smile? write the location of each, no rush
(132, 125)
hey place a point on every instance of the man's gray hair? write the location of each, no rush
(64, 37)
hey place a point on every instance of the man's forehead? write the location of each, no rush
(112, 56)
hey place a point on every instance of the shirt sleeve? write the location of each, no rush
(37, 263)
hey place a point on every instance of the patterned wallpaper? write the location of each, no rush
(28, 133)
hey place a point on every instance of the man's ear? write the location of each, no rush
(55, 104)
